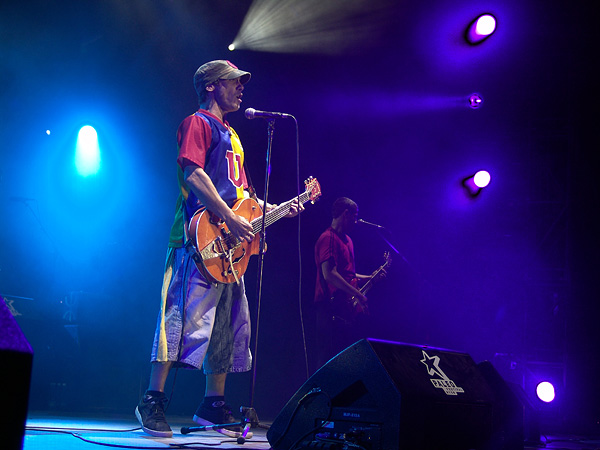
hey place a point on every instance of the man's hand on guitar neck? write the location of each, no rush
(378, 274)
(294, 209)
(242, 229)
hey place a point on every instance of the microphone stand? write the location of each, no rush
(249, 412)
(387, 241)
(380, 230)
(246, 424)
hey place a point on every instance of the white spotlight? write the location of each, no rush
(482, 178)
(480, 29)
(486, 25)
(545, 391)
(474, 184)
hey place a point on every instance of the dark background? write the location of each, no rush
(509, 276)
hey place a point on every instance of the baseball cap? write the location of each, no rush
(212, 71)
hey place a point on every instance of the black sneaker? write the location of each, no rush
(151, 414)
(219, 413)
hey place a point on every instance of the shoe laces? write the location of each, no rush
(158, 406)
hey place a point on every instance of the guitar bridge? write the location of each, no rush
(228, 272)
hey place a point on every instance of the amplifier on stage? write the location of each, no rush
(381, 395)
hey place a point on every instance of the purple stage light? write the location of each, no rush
(486, 25)
(475, 183)
(480, 29)
(545, 391)
(482, 179)
(475, 101)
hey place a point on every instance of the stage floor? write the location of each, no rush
(73, 433)
(46, 432)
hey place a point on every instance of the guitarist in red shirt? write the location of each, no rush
(339, 302)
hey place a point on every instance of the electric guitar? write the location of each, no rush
(219, 255)
(346, 306)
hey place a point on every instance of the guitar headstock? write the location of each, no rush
(313, 188)
(388, 259)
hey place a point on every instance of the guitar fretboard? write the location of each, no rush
(275, 214)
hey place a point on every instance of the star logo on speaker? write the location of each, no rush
(11, 307)
(443, 382)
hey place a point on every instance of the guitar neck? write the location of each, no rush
(278, 213)
(369, 284)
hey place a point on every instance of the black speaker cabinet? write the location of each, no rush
(16, 358)
(383, 395)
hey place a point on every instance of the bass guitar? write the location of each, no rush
(219, 255)
(345, 307)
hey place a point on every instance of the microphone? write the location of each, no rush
(252, 113)
(371, 224)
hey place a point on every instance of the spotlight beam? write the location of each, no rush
(311, 26)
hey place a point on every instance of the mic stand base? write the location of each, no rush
(249, 420)
(250, 416)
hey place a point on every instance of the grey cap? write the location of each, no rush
(220, 69)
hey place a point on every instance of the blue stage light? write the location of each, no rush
(87, 152)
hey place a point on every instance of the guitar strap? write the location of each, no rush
(187, 242)
(251, 189)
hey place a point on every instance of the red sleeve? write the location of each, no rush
(324, 249)
(193, 139)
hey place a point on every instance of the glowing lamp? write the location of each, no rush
(480, 29)
(87, 152)
(482, 179)
(475, 183)
(545, 391)
(475, 101)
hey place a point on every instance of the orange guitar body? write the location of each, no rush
(224, 258)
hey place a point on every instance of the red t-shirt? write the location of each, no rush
(340, 249)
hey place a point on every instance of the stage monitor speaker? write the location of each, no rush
(16, 359)
(382, 395)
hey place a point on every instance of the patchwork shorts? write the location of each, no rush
(201, 324)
